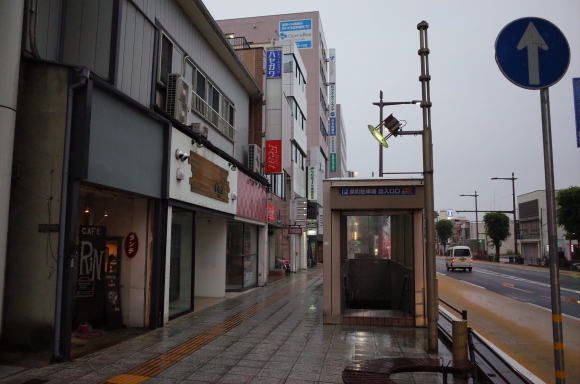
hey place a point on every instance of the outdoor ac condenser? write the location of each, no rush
(178, 100)
(254, 157)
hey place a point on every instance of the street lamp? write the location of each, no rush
(432, 304)
(476, 220)
(378, 130)
(514, 211)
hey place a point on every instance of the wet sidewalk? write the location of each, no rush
(272, 334)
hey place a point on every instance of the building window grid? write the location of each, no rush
(207, 101)
(297, 156)
(323, 130)
(277, 184)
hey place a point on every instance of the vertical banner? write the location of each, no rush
(576, 86)
(273, 62)
(271, 213)
(312, 181)
(332, 108)
(273, 156)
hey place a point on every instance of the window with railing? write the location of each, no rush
(277, 184)
(323, 130)
(297, 156)
(207, 101)
(322, 100)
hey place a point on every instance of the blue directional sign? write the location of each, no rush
(532, 53)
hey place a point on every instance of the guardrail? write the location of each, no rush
(492, 364)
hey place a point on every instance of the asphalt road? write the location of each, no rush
(527, 284)
(517, 322)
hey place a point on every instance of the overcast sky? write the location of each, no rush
(483, 125)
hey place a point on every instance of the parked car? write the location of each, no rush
(575, 266)
(459, 257)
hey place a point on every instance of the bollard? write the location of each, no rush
(459, 337)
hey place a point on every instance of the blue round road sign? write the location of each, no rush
(532, 53)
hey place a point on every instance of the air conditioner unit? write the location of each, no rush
(254, 157)
(178, 97)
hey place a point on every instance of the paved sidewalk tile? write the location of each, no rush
(281, 340)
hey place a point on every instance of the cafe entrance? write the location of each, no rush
(375, 246)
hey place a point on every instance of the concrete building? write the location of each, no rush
(534, 229)
(281, 71)
(305, 29)
(133, 189)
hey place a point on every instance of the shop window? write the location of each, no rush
(181, 263)
(241, 256)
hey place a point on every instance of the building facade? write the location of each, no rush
(534, 229)
(133, 192)
(305, 29)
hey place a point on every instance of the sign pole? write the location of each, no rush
(533, 53)
(552, 239)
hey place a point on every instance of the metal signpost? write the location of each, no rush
(534, 54)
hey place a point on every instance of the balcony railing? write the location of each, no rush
(205, 111)
(238, 42)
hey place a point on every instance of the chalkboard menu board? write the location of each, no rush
(85, 288)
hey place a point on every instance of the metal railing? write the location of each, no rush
(238, 42)
(203, 109)
(492, 367)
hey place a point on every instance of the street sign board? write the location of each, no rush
(532, 53)
(576, 87)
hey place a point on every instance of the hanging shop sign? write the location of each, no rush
(208, 179)
(274, 62)
(273, 156)
(131, 245)
(294, 230)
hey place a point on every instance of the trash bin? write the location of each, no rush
(511, 259)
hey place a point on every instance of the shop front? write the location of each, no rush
(216, 226)
(114, 235)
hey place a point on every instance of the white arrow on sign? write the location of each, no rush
(532, 40)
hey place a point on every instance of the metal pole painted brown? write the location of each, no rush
(381, 130)
(432, 299)
(558, 335)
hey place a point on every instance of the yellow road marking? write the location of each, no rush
(512, 287)
(160, 363)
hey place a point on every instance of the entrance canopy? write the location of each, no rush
(374, 249)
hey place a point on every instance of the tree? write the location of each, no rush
(568, 212)
(444, 230)
(497, 228)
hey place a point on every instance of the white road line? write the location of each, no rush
(463, 281)
(549, 310)
(484, 271)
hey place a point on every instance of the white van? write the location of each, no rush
(458, 257)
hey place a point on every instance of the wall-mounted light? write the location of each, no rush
(233, 167)
(87, 210)
(180, 175)
(180, 155)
